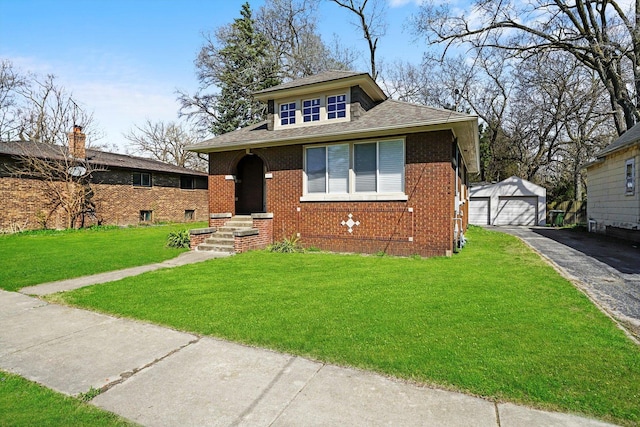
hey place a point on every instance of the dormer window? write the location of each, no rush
(288, 113)
(336, 107)
(311, 110)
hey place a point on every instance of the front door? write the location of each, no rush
(250, 185)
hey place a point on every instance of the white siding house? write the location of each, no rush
(613, 196)
(514, 201)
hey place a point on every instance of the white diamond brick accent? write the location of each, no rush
(350, 223)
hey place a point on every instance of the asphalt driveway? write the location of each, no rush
(608, 270)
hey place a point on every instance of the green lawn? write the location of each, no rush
(494, 320)
(43, 256)
(24, 403)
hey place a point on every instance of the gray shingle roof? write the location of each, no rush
(97, 157)
(318, 78)
(388, 117)
(629, 138)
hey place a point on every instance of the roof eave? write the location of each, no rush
(364, 80)
(465, 129)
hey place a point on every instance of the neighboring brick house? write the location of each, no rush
(346, 169)
(613, 196)
(127, 190)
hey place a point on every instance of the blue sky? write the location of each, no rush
(124, 59)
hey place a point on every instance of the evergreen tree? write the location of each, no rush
(239, 63)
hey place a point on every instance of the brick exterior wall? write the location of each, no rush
(422, 225)
(117, 201)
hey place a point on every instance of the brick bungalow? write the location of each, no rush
(127, 189)
(345, 169)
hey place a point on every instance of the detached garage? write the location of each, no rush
(514, 201)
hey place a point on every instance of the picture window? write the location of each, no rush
(374, 167)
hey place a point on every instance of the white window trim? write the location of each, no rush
(352, 195)
(323, 110)
(630, 191)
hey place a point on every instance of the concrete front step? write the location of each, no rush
(238, 224)
(217, 240)
(223, 239)
(216, 248)
(229, 230)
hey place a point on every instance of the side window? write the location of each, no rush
(141, 179)
(630, 176)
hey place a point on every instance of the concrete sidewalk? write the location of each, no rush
(157, 376)
(161, 377)
(110, 276)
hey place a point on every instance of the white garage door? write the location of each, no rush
(517, 211)
(479, 211)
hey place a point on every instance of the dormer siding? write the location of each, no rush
(271, 108)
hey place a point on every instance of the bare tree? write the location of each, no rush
(291, 28)
(10, 83)
(166, 141)
(66, 181)
(35, 108)
(372, 23)
(602, 35)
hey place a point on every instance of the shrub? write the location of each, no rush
(179, 239)
(287, 245)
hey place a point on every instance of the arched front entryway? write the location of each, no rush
(250, 186)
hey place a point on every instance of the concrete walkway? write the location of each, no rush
(157, 376)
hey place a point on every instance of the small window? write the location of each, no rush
(630, 177)
(288, 113)
(311, 110)
(336, 107)
(187, 182)
(145, 216)
(189, 214)
(141, 179)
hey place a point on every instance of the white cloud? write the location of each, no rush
(119, 92)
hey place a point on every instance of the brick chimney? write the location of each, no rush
(77, 141)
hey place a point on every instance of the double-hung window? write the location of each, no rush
(336, 107)
(311, 110)
(355, 170)
(630, 177)
(288, 113)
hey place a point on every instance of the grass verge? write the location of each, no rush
(36, 257)
(494, 321)
(25, 403)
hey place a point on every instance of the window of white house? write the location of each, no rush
(366, 168)
(336, 106)
(288, 113)
(141, 179)
(311, 110)
(630, 176)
